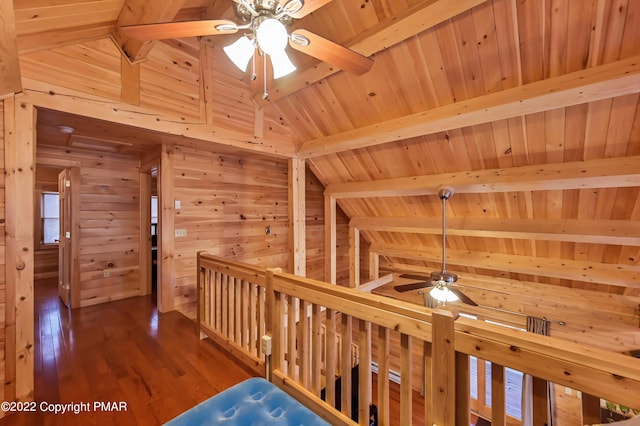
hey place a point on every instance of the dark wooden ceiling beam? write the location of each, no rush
(575, 270)
(592, 84)
(601, 173)
(416, 19)
(10, 81)
(616, 232)
(136, 12)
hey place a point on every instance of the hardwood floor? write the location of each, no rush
(123, 352)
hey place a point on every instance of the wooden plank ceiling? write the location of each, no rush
(533, 104)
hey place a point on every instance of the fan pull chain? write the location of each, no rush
(254, 74)
(265, 95)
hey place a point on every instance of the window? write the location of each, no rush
(480, 387)
(50, 214)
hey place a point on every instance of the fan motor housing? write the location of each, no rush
(445, 276)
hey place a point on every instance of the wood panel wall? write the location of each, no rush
(227, 201)
(109, 222)
(315, 234)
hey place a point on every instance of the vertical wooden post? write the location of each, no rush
(20, 134)
(383, 376)
(498, 397)
(330, 356)
(330, 272)
(354, 257)
(346, 362)
(206, 77)
(443, 380)
(364, 375)
(275, 327)
(374, 266)
(406, 375)
(166, 225)
(590, 409)
(297, 218)
(540, 402)
(427, 381)
(129, 81)
(463, 390)
(200, 294)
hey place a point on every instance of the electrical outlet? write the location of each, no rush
(177, 204)
(181, 232)
(106, 273)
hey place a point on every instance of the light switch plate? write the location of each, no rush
(181, 232)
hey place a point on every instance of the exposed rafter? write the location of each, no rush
(601, 82)
(135, 12)
(602, 173)
(576, 270)
(616, 232)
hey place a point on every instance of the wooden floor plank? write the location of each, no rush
(121, 351)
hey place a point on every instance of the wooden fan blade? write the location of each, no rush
(413, 286)
(463, 297)
(309, 6)
(333, 53)
(178, 29)
(416, 277)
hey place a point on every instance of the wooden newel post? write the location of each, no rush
(443, 365)
(273, 324)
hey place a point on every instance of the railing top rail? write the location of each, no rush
(253, 273)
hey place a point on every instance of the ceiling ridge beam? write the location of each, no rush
(603, 231)
(602, 82)
(418, 18)
(616, 172)
(575, 270)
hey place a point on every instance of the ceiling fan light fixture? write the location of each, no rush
(281, 64)
(240, 52)
(442, 293)
(272, 36)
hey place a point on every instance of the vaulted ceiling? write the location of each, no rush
(528, 109)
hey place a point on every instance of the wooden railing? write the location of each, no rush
(232, 311)
(305, 361)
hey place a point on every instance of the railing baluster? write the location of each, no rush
(346, 361)
(316, 349)
(364, 375)
(304, 344)
(383, 376)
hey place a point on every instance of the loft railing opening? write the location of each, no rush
(320, 332)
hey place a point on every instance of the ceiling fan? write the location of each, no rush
(441, 283)
(265, 24)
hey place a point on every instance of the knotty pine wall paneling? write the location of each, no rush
(315, 234)
(226, 203)
(109, 221)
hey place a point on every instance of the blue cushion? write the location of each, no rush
(255, 401)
